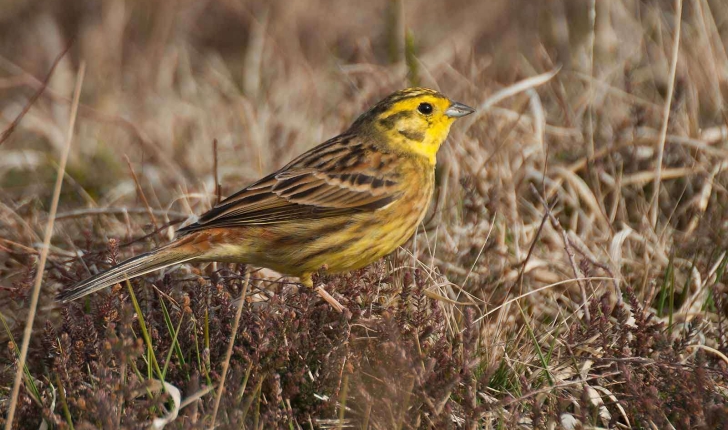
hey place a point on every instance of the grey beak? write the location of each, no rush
(457, 110)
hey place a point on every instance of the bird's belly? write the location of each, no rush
(355, 248)
(365, 239)
(336, 244)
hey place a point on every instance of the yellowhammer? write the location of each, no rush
(342, 205)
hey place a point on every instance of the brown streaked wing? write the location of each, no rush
(338, 177)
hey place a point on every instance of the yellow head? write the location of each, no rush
(413, 121)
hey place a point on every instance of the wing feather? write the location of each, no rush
(339, 177)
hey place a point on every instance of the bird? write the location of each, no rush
(340, 206)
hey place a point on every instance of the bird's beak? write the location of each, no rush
(457, 110)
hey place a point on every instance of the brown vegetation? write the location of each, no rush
(572, 273)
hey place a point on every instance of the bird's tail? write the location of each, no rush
(136, 266)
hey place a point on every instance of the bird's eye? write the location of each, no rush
(425, 108)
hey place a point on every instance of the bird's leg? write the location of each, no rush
(306, 281)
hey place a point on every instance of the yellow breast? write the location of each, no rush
(367, 237)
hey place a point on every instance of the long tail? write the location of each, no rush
(136, 266)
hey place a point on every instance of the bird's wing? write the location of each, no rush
(339, 177)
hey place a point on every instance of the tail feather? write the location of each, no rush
(136, 266)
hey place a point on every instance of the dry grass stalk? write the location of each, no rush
(666, 112)
(477, 323)
(44, 252)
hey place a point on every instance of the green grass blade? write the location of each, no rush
(172, 348)
(145, 335)
(541, 357)
(30, 383)
(175, 342)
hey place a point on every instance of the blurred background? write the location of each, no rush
(271, 79)
(267, 80)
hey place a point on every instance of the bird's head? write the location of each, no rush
(413, 121)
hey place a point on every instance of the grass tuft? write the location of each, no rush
(571, 271)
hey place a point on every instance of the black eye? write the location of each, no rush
(425, 108)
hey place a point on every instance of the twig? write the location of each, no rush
(120, 211)
(76, 257)
(338, 307)
(229, 352)
(44, 251)
(27, 249)
(11, 128)
(711, 350)
(151, 233)
(604, 267)
(567, 247)
(666, 115)
(194, 397)
(538, 290)
(141, 193)
(525, 261)
(214, 172)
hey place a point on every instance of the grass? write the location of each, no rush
(572, 272)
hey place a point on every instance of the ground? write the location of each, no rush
(570, 273)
